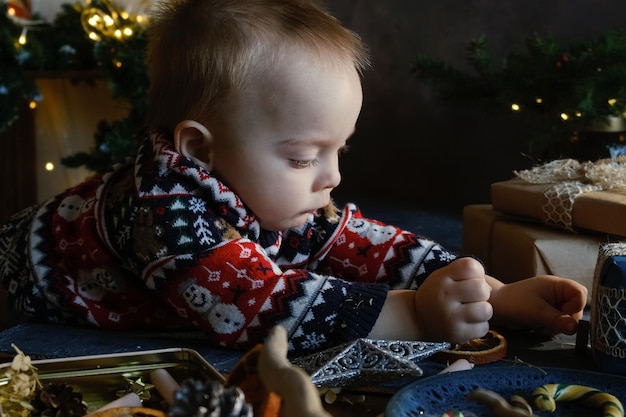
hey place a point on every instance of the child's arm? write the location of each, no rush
(456, 303)
(451, 305)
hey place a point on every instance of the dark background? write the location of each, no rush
(412, 148)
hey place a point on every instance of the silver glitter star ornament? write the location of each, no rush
(367, 361)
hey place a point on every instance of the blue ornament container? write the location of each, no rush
(608, 309)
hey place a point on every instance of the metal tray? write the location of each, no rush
(99, 378)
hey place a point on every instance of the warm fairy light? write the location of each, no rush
(564, 116)
(108, 21)
(22, 39)
(117, 63)
(11, 11)
(94, 20)
(538, 100)
(32, 105)
(599, 69)
(612, 101)
(579, 114)
(49, 166)
(515, 107)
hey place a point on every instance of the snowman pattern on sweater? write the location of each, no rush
(160, 243)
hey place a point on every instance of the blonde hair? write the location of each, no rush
(201, 53)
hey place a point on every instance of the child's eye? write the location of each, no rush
(297, 163)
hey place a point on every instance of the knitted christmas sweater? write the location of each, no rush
(160, 243)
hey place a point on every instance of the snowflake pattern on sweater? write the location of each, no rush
(160, 243)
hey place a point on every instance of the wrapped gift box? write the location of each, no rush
(597, 211)
(608, 309)
(512, 249)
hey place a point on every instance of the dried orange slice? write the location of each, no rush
(489, 348)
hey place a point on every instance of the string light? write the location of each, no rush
(49, 166)
(22, 39)
(107, 21)
(515, 107)
(564, 116)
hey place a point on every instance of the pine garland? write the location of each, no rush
(64, 45)
(559, 88)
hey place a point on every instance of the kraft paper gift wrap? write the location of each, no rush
(512, 249)
(600, 211)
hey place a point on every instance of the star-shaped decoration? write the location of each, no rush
(367, 361)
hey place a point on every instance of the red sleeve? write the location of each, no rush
(235, 293)
(368, 250)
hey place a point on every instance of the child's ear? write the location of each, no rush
(193, 140)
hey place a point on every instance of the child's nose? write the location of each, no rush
(330, 177)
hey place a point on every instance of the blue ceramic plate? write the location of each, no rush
(433, 396)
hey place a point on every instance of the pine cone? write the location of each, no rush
(58, 400)
(196, 398)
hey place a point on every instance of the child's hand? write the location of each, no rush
(545, 302)
(452, 304)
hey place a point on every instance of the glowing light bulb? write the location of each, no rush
(22, 39)
(128, 32)
(49, 166)
(564, 116)
(32, 104)
(612, 101)
(538, 100)
(94, 20)
(515, 107)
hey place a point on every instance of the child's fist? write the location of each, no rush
(452, 304)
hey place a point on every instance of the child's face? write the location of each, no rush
(279, 143)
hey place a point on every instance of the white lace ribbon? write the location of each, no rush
(569, 179)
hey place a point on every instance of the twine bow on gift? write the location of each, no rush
(569, 179)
